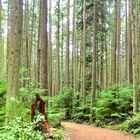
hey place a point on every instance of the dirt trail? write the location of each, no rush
(86, 132)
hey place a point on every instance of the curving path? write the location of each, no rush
(86, 132)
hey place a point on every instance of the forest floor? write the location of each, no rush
(87, 132)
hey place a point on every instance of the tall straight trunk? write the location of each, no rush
(14, 55)
(73, 74)
(118, 2)
(116, 49)
(84, 54)
(25, 44)
(43, 45)
(102, 67)
(32, 72)
(115, 46)
(106, 65)
(79, 54)
(106, 80)
(138, 38)
(74, 49)
(93, 93)
(30, 39)
(62, 47)
(102, 49)
(8, 32)
(110, 48)
(1, 44)
(130, 69)
(67, 82)
(38, 46)
(50, 51)
(126, 41)
(135, 59)
(53, 78)
(58, 48)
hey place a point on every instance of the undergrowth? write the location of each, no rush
(19, 129)
(2, 101)
(20, 126)
(113, 108)
(132, 125)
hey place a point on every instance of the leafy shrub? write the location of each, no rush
(81, 114)
(78, 117)
(69, 105)
(114, 105)
(2, 101)
(132, 124)
(55, 118)
(19, 129)
(64, 102)
(30, 91)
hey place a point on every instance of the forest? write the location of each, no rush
(69, 69)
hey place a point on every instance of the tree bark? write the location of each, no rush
(67, 77)
(43, 45)
(84, 54)
(93, 94)
(14, 55)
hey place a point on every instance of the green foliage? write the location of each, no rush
(78, 117)
(28, 89)
(132, 124)
(31, 90)
(58, 134)
(114, 105)
(2, 87)
(2, 101)
(19, 129)
(55, 117)
(25, 97)
(64, 102)
(81, 113)
(22, 101)
(68, 105)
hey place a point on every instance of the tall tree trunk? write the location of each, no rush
(62, 46)
(43, 45)
(118, 2)
(135, 60)
(130, 69)
(74, 57)
(58, 49)
(67, 82)
(50, 51)
(1, 44)
(84, 54)
(116, 49)
(8, 33)
(93, 94)
(25, 45)
(126, 41)
(14, 55)
(32, 64)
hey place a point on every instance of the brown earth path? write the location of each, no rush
(86, 132)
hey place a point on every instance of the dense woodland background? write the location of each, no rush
(81, 56)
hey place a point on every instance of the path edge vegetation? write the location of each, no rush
(82, 57)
